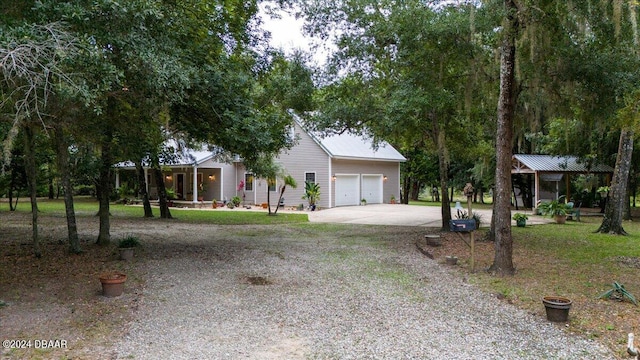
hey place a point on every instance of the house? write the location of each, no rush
(347, 168)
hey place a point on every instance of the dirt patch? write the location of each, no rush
(629, 261)
(257, 280)
(59, 296)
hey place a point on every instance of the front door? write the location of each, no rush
(180, 186)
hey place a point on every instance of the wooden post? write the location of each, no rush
(473, 258)
(468, 191)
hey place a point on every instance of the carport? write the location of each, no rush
(555, 168)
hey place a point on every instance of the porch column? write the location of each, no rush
(117, 179)
(330, 204)
(195, 184)
(221, 184)
(568, 186)
(537, 189)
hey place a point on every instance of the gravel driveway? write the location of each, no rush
(294, 292)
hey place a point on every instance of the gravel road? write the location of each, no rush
(294, 293)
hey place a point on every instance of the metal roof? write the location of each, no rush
(351, 146)
(339, 146)
(524, 163)
(182, 156)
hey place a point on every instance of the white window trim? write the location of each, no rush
(315, 176)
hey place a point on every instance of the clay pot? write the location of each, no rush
(126, 254)
(433, 240)
(112, 283)
(560, 219)
(557, 308)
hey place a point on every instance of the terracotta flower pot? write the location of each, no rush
(557, 308)
(112, 283)
(560, 219)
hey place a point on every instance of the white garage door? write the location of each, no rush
(372, 188)
(347, 190)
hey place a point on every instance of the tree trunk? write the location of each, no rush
(30, 167)
(406, 186)
(12, 185)
(62, 153)
(627, 203)
(104, 184)
(503, 259)
(165, 213)
(269, 198)
(284, 187)
(415, 190)
(443, 166)
(614, 209)
(142, 184)
(51, 192)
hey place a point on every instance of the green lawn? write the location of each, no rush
(89, 207)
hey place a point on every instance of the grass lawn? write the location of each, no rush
(89, 207)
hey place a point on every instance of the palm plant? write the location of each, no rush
(311, 193)
(288, 181)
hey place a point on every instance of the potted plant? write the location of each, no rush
(557, 308)
(126, 246)
(202, 189)
(171, 195)
(555, 208)
(112, 283)
(363, 202)
(236, 201)
(521, 219)
(393, 199)
(311, 194)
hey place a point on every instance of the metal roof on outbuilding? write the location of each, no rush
(350, 146)
(524, 163)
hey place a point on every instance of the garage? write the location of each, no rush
(372, 188)
(347, 190)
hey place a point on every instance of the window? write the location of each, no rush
(272, 184)
(310, 177)
(248, 182)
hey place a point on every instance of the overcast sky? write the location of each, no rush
(286, 34)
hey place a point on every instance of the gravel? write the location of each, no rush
(352, 296)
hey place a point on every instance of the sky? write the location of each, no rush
(286, 34)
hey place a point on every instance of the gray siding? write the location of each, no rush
(305, 156)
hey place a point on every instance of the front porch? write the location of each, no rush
(185, 185)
